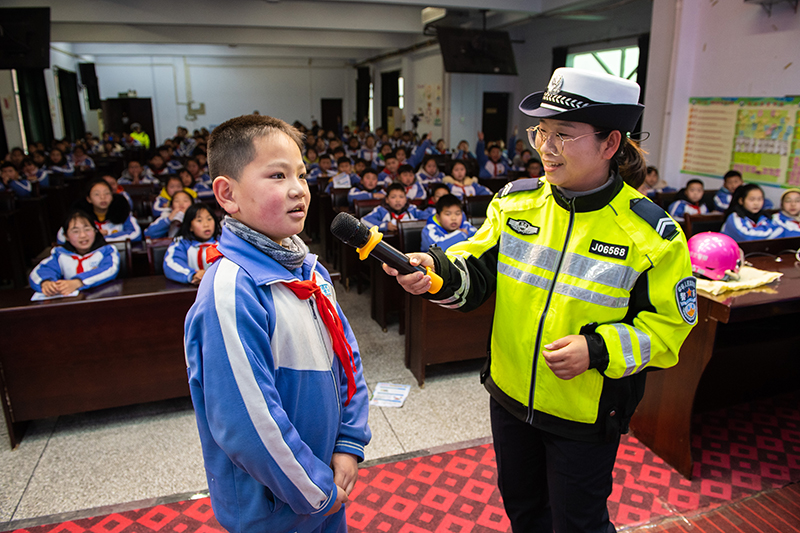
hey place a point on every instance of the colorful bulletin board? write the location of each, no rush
(759, 137)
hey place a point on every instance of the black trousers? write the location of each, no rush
(550, 483)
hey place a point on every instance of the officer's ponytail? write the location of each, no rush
(630, 160)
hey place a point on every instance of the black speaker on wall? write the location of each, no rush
(89, 80)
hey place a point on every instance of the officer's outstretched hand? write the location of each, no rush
(417, 282)
(568, 356)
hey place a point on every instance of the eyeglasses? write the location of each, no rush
(537, 139)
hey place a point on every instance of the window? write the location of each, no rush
(371, 108)
(622, 61)
(401, 100)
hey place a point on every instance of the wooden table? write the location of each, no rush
(118, 344)
(743, 347)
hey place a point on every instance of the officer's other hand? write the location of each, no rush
(416, 282)
(568, 357)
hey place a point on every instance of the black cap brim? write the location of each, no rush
(622, 117)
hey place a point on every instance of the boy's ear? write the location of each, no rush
(223, 188)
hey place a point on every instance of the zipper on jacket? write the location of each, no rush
(322, 340)
(543, 317)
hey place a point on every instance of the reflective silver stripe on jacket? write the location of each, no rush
(603, 272)
(627, 348)
(536, 255)
(591, 297)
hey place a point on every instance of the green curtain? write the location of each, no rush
(74, 127)
(35, 107)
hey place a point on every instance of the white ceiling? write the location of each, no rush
(348, 31)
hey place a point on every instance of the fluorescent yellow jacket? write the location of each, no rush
(612, 266)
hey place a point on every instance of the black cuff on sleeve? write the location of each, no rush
(598, 353)
(441, 265)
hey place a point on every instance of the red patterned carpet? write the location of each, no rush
(738, 452)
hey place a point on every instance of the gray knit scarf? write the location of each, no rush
(290, 253)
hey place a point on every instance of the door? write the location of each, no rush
(390, 95)
(120, 113)
(495, 117)
(331, 114)
(70, 105)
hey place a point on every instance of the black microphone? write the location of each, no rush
(351, 231)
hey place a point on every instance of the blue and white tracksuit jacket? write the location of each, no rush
(185, 257)
(419, 153)
(42, 177)
(488, 168)
(790, 225)
(161, 226)
(360, 193)
(66, 168)
(468, 187)
(21, 187)
(461, 154)
(87, 162)
(426, 180)
(416, 190)
(385, 179)
(161, 205)
(203, 190)
(99, 266)
(268, 393)
(680, 208)
(116, 232)
(744, 229)
(434, 233)
(315, 174)
(722, 199)
(342, 181)
(368, 155)
(380, 216)
(174, 165)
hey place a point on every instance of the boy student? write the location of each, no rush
(413, 187)
(731, 181)
(274, 369)
(344, 179)
(491, 165)
(367, 188)
(11, 180)
(448, 226)
(389, 173)
(396, 209)
(689, 201)
(323, 170)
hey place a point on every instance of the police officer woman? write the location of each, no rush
(593, 288)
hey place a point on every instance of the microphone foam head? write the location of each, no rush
(350, 230)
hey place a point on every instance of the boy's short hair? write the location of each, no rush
(338, 150)
(732, 174)
(395, 187)
(693, 181)
(6, 164)
(403, 169)
(533, 161)
(390, 155)
(231, 146)
(652, 169)
(448, 200)
(343, 159)
(369, 170)
(360, 160)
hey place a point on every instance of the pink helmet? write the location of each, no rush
(715, 256)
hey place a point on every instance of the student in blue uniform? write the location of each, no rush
(185, 260)
(135, 175)
(415, 190)
(161, 204)
(274, 369)
(109, 212)
(448, 226)
(82, 262)
(461, 185)
(429, 171)
(491, 165)
(344, 178)
(324, 170)
(435, 191)
(80, 160)
(169, 223)
(117, 188)
(389, 173)
(197, 189)
(367, 189)
(12, 181)
(369, 152)
(689, 200)
(396, 208)
(33, 173)
(60, 164)
(745, 219)
(731, 181)
(789, 216)
(462, 151)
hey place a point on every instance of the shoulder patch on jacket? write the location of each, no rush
(524, 184)
(656, 217)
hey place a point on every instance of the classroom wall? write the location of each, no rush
(287, 88)
(725, 48)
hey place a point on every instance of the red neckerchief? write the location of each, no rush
(202, 250)
(80, 261)
(398, 217)
(305, 290)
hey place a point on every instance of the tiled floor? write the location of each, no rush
(152, 450)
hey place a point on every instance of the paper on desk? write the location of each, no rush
(749, 278)
(38, 296)
(390, 395)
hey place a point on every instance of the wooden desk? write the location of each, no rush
(743, 347)
(118, 344)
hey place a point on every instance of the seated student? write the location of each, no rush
(337, 154)
(344, 178)
(82, 262)
(652, 184)
(389, 173)
(462, 151)
(185, 260)
(15, 157)
(395, 209)
(109, 212)
(80, 160)
(689, 200)
(425, 148)
(157, 168)
(521, 160)
(359, 165)
(58, 163)
(168, 224)
(367, 188)
(353, 147)
(311, 159)
(414, 188)
(731, 181)
(441, 148)
(533, 168)
(429, 171)
(491, 165)
(789, 216)
(448, 226)
(166, 153)
(33, 173)
(39, 159)
(461, 185)
(136, 175)
(369, 152)
(198, 189)
(117, 188)
(202, 160)
(162, 201)
(383, 152)
(196, 170)
(435, 191)
(12, 181)
(325, 170)
(745, 219)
